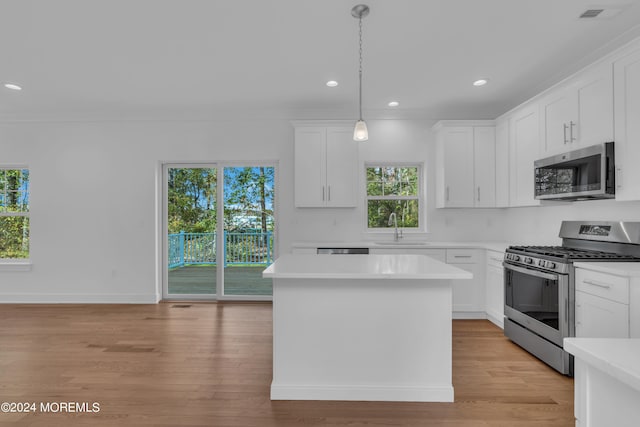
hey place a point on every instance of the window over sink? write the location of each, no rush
(394, 189)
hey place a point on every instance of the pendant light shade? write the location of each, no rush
(360, 133)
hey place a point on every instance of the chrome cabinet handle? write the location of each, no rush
(323, 193)
(564, 125)
(462, 256)
(572, 124)
(329, 197)
(598, 284)
(447, 190)
(478, 193)
(619, 177)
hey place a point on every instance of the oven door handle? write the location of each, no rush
(530, 272)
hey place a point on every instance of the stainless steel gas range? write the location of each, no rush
(540, 289)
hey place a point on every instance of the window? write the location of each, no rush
(393, 189)
(14, 213)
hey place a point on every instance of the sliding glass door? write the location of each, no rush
(191, 231)
(248, 229)
(218, 253)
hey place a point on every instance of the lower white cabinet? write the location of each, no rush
(468, 295)
(494, 296)
(439, 254)
(603, 305)
(598, 317)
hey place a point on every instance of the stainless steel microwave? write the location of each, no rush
(584, 174)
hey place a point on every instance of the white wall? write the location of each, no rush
(93, 197)
(541, 224)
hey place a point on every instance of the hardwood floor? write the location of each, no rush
(210, 365)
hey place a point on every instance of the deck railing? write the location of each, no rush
(239, 248)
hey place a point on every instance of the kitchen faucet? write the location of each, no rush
(393, 219)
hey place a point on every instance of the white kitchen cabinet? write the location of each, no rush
(439, 254)
(502, 163)
(524, 129)
(326, 167)
(602, 305)
(578, 113)
(468, 295)
(465, 167)
(626, 79)
(494, 297)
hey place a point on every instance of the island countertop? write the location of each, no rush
(305, 266)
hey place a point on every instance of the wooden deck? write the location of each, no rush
(201, 279)
(210, 364)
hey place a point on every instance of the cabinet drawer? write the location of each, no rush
(463, 256)
(614, 288)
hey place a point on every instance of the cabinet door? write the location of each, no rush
(342, 168)
(457, 147)
(600, 318)
(494, 296)
(468, 295)
(594, 91)
(558, 113)
(626, 80)
(502, 163)
(310, 167)
(484, 153)
(523, 151)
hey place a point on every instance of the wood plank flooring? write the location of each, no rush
(188, 364)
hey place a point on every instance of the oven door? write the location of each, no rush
(538, 301)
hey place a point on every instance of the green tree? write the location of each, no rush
(192, 200)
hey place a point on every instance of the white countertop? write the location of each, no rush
(405, 244)
(627, 269)
(362, 267)
(618, 357)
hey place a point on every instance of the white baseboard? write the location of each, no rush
(469, 315)
(496, 319)
(78, 298)
(443, 393)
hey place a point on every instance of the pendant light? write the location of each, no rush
(360, 133)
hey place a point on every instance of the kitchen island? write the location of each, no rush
(362, 327)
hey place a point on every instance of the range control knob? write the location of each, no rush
(516, 258)
(528, 260)
(540, 263)
(550, 264)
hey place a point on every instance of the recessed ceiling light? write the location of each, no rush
(332, 83)
(393, 104)
(480, 82)
(12, 86)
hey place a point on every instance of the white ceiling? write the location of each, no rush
(272, 58)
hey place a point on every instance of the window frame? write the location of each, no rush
(18, 264)
(420, 197)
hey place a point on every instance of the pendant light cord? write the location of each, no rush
(360, 71)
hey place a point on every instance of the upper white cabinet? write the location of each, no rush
(578, 113)
(326, 167)
(626, 71)
(466, 159)
(502, 163)
(523, 151)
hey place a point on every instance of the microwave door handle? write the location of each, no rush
(530, 272)
(564, 125)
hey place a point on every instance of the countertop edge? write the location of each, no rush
(587, 350)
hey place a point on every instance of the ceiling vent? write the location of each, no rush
(601, 12)
(591, 13)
